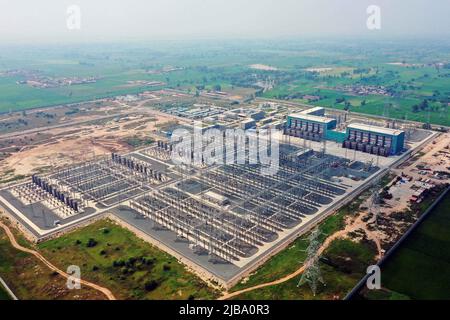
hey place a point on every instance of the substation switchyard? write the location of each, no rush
(221, 220)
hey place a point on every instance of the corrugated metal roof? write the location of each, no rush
(311, 118)
(308, 111)
(365, 127)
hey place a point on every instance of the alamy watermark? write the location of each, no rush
(74, 279)
(374, 280)
(212, 146)
(73, 21)
(374, 19)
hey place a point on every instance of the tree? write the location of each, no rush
(91, 243)
(424, 105)
(347, 105)
(151, 285)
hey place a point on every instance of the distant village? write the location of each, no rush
(35, 79)
(360, 90)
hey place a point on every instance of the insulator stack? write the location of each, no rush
(53, 191)
(138, 166)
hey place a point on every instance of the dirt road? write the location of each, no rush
(16, 245)
(357, 224)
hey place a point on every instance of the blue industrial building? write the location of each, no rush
(375, 140)
(313, 125)
(308, 126)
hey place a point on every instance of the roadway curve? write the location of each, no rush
(16, 245)
(339, 234)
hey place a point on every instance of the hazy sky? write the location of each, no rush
(109, 20)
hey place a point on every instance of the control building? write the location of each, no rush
(309, 124)
(375, 140)
(312, 124)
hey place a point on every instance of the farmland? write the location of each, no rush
(416, 84)
(420, 268)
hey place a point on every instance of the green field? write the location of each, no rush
(30, 279)
(420, 269)
(428, 85)
(131, 268)
(3, 294)
(205, 64)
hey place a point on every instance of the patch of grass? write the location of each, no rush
(130, 267)
(420, 269)
(385, 295)
(337, 281)
(29, 279)
(348, 256)
(137, 142)
(291, 258)
(3, 294)
(14, 178)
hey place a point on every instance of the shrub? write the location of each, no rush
(118, 263)
(151, 285)
(91, 243)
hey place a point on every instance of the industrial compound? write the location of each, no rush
(223, 220)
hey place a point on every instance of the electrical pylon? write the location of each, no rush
(374, 206)
(312, 274)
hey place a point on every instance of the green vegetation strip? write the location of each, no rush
(292, 258)
(341, 266)
(131, 268)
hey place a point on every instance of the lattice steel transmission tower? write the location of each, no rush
(312, 274)
(375, 202)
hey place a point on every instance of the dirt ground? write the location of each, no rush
(395, 213)
(62, 146)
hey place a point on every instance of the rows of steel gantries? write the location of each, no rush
(41, 189)
(139, 167)
(110, 180)
(162, 151)
(261, 206)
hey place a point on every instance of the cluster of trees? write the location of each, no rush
(423, 106)
(442, 109)
(361, 71)
(9, 125)
(347, 104)
(133, 264)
